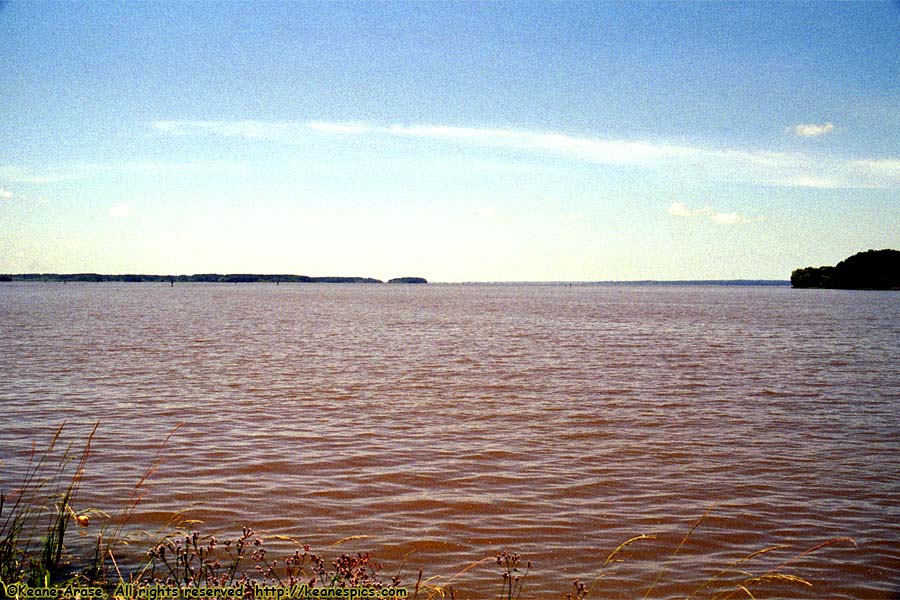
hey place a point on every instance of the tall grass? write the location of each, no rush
(35, 517)
(112, 534)
(734, 580)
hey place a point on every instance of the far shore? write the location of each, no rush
(255, 278)
(200, 278)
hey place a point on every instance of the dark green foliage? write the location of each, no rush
(874, 269)
(813, 277)
(408, 280)
(239, 278)
(870, 270)
(343, 280)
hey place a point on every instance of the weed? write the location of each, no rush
(190, 560)
(513, 579)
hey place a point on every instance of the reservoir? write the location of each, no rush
(437, 425)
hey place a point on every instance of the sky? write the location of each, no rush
(458, 141)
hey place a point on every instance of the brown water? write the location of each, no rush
(448, 423)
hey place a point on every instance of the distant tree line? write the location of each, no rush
(202, 277)
(870, 270)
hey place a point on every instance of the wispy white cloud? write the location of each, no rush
(594, 150)
(17, 174)
(887, 168)
(486, 212)
(169, 168)
(615, 152)
(813, 129)
(448, 132)
(339, 128)
(254, 130)
(8, 195)
(812, 181)
(80, 171)
(761, 167)
(681, 210)
(730, 218)
(122, 209)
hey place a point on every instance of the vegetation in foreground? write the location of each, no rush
(36, 562)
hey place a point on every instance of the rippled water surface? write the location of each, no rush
(448, 423)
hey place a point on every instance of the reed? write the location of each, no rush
(35, 517)
(729, 582)
(113, 533)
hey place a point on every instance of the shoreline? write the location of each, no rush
(264, 278)
(198, 278)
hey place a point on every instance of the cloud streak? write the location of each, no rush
(81, 171)
(7, 195)
(761, 167)
(339, 128)
(17, 174)
(813, 129)
(120, 210)
(682, 211)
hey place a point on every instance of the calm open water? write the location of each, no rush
(448, 423)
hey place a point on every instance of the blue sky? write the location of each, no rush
(460, 141)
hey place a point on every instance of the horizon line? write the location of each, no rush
(297, 278)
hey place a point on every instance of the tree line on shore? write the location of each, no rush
(201, 278)
(869, 270)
